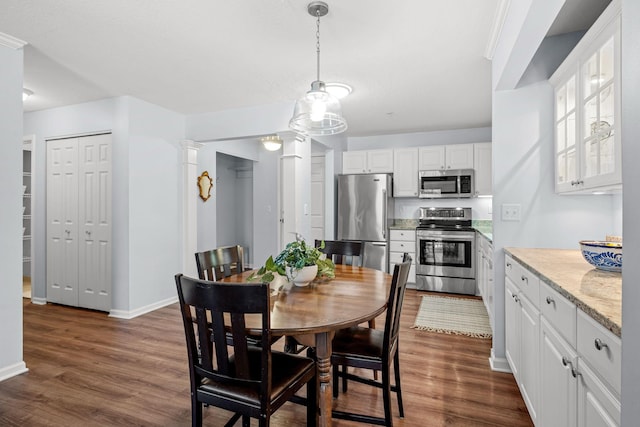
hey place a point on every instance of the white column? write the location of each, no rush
(189, 206)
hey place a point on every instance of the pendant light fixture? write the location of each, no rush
(318, 112)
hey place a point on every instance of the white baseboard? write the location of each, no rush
(13, 370)
(124, 314)
(39, 301)
(499, 364)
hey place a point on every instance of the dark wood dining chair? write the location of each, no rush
(251, 382)
(215, 264)
(368, 348)
(342, 251)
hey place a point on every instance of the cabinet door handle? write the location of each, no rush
(516, 299)
(509, 264)
(550, 300)
(567, 362)
(67, 231)
(599, 344)
(524, 279)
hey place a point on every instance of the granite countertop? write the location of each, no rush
(404, 224)
(598, 293)
(484, 227)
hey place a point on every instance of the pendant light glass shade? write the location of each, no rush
(271, 142)
(318, 113)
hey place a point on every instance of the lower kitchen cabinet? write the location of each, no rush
(566, 365)
(401, 241)
(558, 385)
(484, 273)
(522, 328)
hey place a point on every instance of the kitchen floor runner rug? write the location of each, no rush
(449, 315)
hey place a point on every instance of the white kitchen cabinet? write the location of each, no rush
(367, 161)
(484, 273)
(482, 168)
(576, 360)
(558, 383)
(79, 221)
(587, 110)
(405, 172)
(522, 323)
(401, 241)
(597, 406)
(440, 157)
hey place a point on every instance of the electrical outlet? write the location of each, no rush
(510, 212)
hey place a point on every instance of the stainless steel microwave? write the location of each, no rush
(446, 184)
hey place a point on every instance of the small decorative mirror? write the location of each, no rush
(205, 183)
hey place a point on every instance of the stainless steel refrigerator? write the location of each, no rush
(365, 212)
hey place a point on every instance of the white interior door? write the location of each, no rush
(62, 221)
(317, 198)
(94, 197)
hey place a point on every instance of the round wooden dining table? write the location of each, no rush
(313, 313)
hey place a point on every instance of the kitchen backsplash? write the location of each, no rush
(409, 207)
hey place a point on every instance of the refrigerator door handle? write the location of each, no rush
(386, 213)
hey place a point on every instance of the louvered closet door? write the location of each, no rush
(94, 210)
(62, 221)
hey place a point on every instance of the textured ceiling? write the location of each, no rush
(415, 65)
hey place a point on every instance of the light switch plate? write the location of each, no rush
(510, 212)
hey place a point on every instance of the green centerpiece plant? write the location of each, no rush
(295, 256)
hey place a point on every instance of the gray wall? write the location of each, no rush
(11, 134)
(146, 194)
(631, 208)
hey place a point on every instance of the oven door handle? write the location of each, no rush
(441, 237)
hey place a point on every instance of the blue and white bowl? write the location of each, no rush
(603, 255)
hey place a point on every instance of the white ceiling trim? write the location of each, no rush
(496, 28)
(11, 42)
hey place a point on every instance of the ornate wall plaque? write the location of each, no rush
(205, 184)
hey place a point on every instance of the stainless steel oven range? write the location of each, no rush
(445, 251)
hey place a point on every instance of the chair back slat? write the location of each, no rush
(342, 251)
(394, 305)
(218, 263)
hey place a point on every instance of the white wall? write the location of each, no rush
(11, 70)
(419, 139)
(631, 209)
(155, 190)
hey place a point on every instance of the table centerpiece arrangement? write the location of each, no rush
(299, 263)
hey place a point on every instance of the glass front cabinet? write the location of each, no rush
(587, 111)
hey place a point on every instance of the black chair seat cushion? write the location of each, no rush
(285, 369)
(367, 343)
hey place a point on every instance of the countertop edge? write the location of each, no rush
(603, 320)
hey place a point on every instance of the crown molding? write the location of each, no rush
(496, 28)
(11, 42)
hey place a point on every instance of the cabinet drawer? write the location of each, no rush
(405, 235)
(559, 311)
(398, 246)
(601, 349)
(525, 280)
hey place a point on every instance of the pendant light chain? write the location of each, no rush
(318, 42)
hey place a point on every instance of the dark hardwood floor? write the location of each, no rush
(86, 369)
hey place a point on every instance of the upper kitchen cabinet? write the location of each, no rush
(482, 167)
(405, 172)
(367, 161)
(587, 110)
(438, 157)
